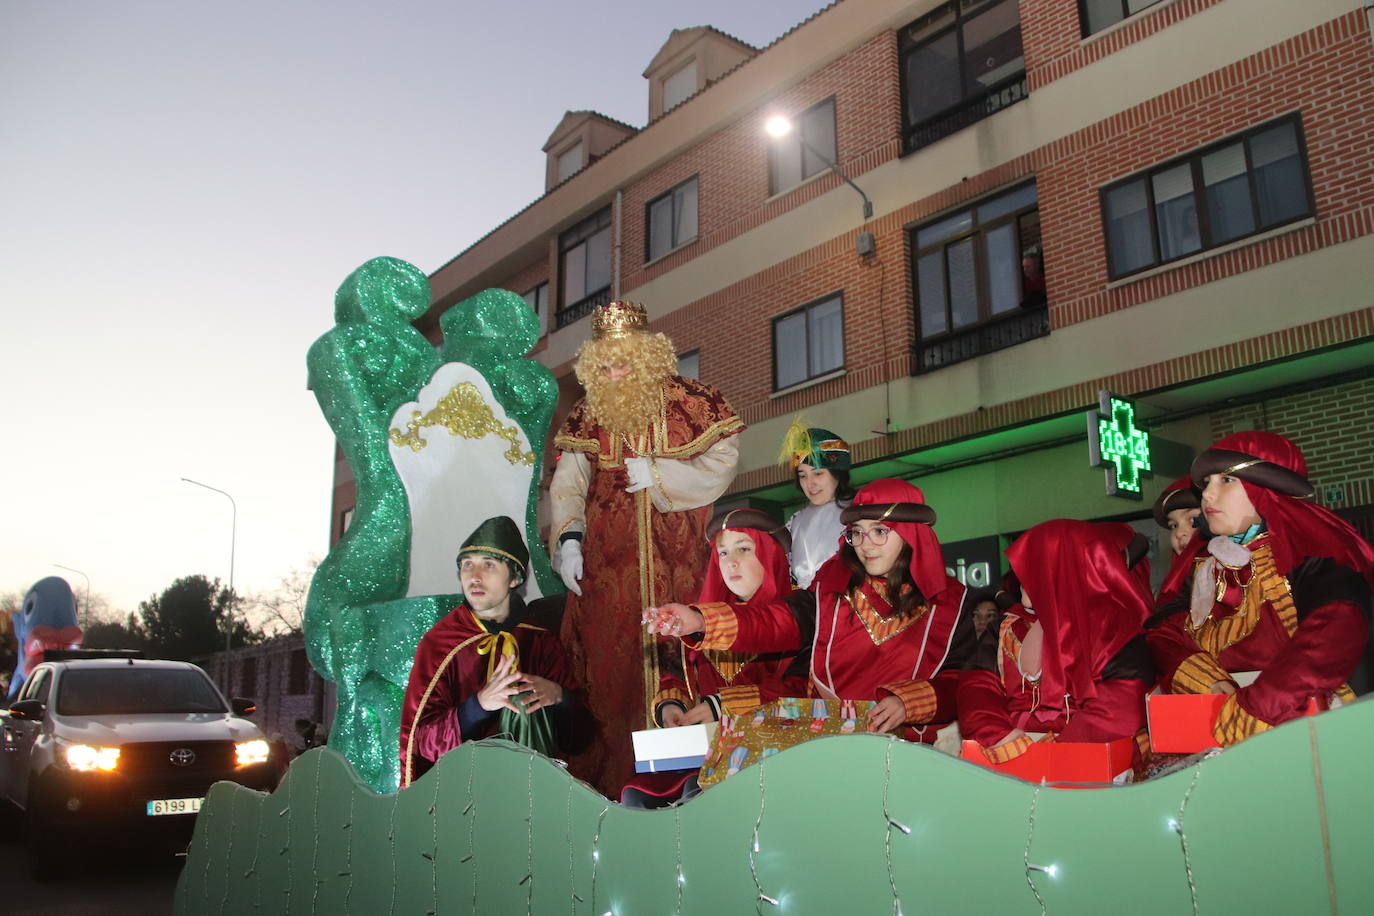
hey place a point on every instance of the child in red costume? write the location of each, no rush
(1071, 661)
(1282, 589)
(887, 624)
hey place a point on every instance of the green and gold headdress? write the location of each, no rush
(818, 447)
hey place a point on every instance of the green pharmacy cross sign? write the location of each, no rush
(1115, 442)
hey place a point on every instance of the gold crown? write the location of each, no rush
(619, 319)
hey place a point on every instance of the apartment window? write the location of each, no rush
(584, 267)
(672, 219)
(570, 161)
(538, 299)
(1241, 186)
(807, 151)
(689, 364)
(1096, 15)
(960, 63)
(298, 681)
(979, 277)
(808, 342)
(680, 86)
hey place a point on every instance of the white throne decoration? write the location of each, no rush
(462, 460)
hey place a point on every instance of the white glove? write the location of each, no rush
(640, 474)
(570, 564)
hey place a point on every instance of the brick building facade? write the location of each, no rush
(277, 675)
(1194, 178)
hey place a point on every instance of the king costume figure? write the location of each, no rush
(483, 671)
(641, 459)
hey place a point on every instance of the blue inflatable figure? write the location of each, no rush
(46, 621)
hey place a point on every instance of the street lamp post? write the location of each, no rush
(86, 610)
(233, 541)
(779, 126)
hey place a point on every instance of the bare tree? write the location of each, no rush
(281, 611)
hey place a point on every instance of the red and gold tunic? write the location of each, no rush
(640, 550)
(1306, 633)
(451, 664)
(994, 702)
(860, 649)
(740, 681)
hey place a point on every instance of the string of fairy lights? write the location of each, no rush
(766, 899)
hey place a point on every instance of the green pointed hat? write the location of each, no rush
(499, 537)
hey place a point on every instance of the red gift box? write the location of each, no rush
(1182, 723)
(1063, 763)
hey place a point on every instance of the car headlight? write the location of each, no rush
(247, 753)
(86, 757)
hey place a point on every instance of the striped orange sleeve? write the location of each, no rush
(918, 698)
(722, 626)
(1197, 673)
(1009, 751)
(1234, 724)
(741, 699)
(673, 695)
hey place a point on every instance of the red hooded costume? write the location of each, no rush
(1094, 667)
(1297, 612)
(861, 648)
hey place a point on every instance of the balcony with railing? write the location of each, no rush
(969, 343)
(969, 111)
(581, 308)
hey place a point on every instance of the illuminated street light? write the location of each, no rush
(779, 126)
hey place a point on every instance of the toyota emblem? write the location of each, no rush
(182, 757)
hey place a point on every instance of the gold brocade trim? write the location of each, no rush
(741, 699)
(1215, 635)
(919, 701)
(1234, 724)
(881, 629)
(722, 625)
(1009, 643)
(1345, 694)
(647, 641)
(663, 491)
(482, 548)
(463, 412)
(727, 664)
(1009, 751)
(1197, 673)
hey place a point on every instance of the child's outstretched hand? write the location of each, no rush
(673, 620)
(503, 684)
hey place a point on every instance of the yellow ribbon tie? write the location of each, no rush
(498, 646)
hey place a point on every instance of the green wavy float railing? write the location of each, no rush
(1283, 823)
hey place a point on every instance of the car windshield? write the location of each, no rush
(135, 689)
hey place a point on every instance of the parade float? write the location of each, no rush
(440, 438)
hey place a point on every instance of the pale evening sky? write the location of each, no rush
(183, 185)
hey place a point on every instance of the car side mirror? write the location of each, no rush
(27, 709)
(242, 706)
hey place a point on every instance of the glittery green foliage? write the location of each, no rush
(361, 630)
(1278, 824)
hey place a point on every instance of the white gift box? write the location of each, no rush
(682, 748)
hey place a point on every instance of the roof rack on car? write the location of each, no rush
(62, 655)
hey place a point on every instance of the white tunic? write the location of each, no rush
(816, 534)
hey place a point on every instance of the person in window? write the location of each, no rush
(820, 461)
(484, 669)
(1033, 279)
(640, 460)
(1070, 662)
(749, 564)
(888, 624)
(1282, 594)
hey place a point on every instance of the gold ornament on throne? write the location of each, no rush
(464, 413)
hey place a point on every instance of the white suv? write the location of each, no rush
(121, 743)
